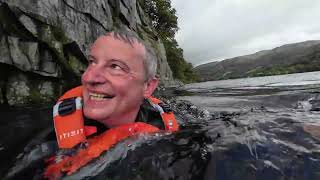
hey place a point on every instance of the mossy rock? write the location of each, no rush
(23, 89)
(77, 66)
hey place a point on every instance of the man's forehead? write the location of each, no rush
(112, 39)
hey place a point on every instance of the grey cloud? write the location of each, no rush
(215, 29)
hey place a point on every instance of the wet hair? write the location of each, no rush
(149, 58)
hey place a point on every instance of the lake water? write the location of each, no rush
(243, 129)
(278, 110)
(299, 79)
(291, 91)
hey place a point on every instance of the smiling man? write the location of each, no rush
(114, 102)
(117, 103)
(116, 90)
(119, 77)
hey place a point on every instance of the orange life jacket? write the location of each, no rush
(70, 131)
(69, 121)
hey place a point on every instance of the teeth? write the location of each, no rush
(96, 97)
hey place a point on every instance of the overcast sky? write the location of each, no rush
(212, 30)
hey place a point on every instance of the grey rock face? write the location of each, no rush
(19, 57)
(29, 24)
(51, 39)
(17, 89)
(46, 90)
(99, 10)
(22, 89)
(4, 51)
(1, 98)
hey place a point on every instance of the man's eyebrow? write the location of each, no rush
(118, 60)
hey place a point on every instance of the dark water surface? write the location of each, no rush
(18, 127)
(233, 130)
(280, 119)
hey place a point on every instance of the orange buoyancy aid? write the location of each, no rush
(70, 131)
(97, 145)
(69, 121)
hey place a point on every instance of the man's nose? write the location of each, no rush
(93, 75)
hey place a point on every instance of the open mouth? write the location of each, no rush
(100, 97)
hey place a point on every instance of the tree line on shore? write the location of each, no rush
(164, 21)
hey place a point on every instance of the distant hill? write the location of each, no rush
(290, 58)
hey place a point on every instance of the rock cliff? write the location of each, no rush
(44, 44)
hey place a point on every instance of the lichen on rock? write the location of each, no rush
(17, 90)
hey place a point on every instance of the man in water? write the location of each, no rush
(116, 91)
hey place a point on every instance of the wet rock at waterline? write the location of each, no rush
(315, 104)
(313, 130)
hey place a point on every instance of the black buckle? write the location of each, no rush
(67, 106)
(166, 107)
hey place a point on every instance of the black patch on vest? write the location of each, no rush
(148, 114)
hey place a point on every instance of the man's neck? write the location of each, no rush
(125, 118)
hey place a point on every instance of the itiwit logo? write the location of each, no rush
(71, 134)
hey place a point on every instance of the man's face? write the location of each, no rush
(114, 82)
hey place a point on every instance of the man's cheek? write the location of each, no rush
(122, 87)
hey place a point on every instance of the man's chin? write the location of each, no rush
(95, 115)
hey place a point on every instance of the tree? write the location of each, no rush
(165, 22)
(163, 17)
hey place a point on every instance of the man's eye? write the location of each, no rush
(115, 66)
(90, 61)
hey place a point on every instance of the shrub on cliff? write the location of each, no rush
(164, 20)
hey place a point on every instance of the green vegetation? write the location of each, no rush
(35, 97)
(304, 66)
(297, 61)
(164, 20)
(76, 65)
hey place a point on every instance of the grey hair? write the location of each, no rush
(149, 59)
(150, 62)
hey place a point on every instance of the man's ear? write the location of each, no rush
(150, 86)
